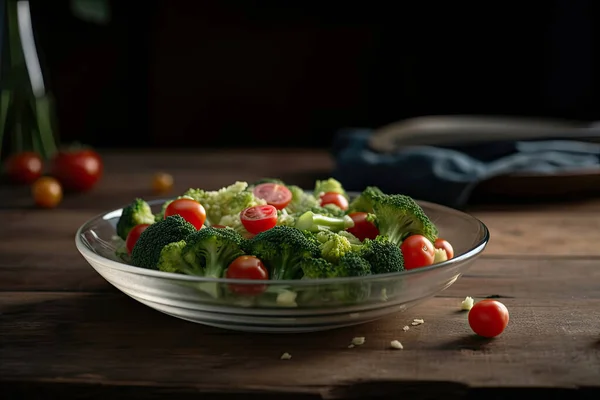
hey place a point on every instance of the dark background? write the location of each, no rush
(197, 73)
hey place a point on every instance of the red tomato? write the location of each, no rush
(247, 267)
(363, 228)
(134, 235)
(277, 195)
(24, 167)
(488, 318)
(190, 210)
(334, 198)
(258, 219)
(444, 244)
(418, 251)
(219, 226)
(77, 170)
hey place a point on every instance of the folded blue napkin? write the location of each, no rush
(448, 174)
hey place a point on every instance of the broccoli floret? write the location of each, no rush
(383, 256)
(310, 221)
(301, 200)
(146, 251)
(329, 185)
(333, 246)
(267, 180)
(209, 251)
(171, 260)
(353, 264)
(229, 200)
(317, 268)
(399, 216)
(138, 212)
(283, 249)
(364, 201)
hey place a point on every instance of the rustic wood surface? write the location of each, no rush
(66, 333)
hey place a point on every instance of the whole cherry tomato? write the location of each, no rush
(24, 167)
(77, 169)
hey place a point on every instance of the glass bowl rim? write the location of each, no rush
(85, 249)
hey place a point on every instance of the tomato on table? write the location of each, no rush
(162, 182)
(47, 192)
(277, 195)
(134, 235)
(247, 267)
(335, 198)
(445, 245)
(77, 169)
(190, 210)
(488, 318)
(363, 227)
(259, 218)
(24, 167)
(418, 251)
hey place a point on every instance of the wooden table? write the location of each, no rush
(65, 332)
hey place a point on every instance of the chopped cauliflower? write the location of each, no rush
(439, 256)
(396, 345)
(467, 303)
(357, 341)
(286, 298)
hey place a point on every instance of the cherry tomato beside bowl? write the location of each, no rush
(247, 267)
(134, 235)
(24, 167)
(259, 218)
(47, 192)
(418, 251)
(190, 210)
(277, 195)
(337, 199)
(363, 228)
(445, 245)
(77, 169)
(488, 318)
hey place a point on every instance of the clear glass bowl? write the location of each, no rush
(284, 306)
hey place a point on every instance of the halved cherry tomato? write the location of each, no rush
(77, 169)
(247, 267)
(277, 195)
(445, 245)
(219, 226)
(418, 251)
(47, 192)
(24, 167)
(134, 235)
(334, 198)
(190, 210)
(363, 228)
(488, 318)
(258, 219)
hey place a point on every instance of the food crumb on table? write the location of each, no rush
(357, 341)
(286, 356)
(396, 345)
(467, 303)
(417, 321)
(405, 328)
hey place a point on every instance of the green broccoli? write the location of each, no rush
(209, 251)
(383, 256)
(333, 246)
(283, 249)
(227, 201)
(353, 264)
(310, 221)
(317, 268)
(301, 200)
(138, 212)
(399, 216)
(364, 201)
(146, 252)
(171, 260)
(328, 185)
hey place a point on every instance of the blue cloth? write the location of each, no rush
(447, 175)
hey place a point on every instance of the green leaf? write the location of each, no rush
(95, 11)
